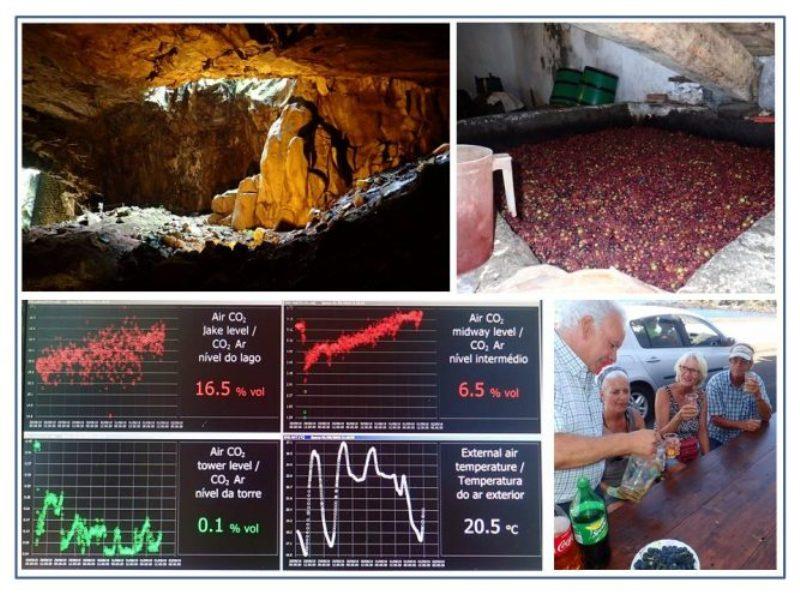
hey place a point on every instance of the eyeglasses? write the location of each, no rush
(690, 370)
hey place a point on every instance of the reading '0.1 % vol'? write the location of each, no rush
(217, 526)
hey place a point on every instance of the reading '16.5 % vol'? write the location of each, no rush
(223, 389)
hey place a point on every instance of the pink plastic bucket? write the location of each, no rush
(475, 203)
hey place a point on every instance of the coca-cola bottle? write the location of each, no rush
(590, 526)
(567, 553)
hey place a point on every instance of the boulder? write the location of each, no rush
(215, 219)
(249, 184)
(244, 212)
(223, 203)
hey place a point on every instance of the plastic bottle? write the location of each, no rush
(590, 526)
(567, 553)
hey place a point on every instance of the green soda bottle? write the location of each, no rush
(590, 526)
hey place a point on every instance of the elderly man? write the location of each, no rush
(737, 398)
(587, 337)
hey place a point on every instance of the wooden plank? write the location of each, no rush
(701, 479)
(728, 530)
(766, 554)
(733, 486)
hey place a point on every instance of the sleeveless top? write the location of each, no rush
(615, 466)
(690, 427)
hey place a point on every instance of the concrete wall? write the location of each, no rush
(526, 56)
(766, 83)
(495, 48)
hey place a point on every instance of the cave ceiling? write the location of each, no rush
(74, 71)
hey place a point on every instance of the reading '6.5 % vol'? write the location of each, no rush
(479, 389)
(223, 389)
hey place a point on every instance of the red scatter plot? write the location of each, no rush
(300, 327)
(111, 355)
(369, 336)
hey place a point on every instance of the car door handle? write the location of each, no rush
(653, 359)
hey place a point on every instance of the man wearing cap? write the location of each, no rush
(737, 398)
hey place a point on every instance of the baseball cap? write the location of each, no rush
(742, 351)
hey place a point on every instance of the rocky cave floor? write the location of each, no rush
(127, 227)
(373, 237)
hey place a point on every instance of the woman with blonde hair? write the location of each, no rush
(681, 407)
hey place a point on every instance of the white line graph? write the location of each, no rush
(415, 518)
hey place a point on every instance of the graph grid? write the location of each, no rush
(96, 498)
(364, 500)
(360, 362)
(100, 362)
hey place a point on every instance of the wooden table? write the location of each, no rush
(723, 505)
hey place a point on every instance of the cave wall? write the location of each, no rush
(125, 111)
(181, 151)
(180, 154)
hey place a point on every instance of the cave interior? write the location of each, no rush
(255, 156)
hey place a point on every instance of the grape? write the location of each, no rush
(666, 558)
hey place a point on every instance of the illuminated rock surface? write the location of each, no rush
(238, 132)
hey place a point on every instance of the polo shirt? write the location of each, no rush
(730, 402)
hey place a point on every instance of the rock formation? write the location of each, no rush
(174, 114)
(52, 203)
(323, 142)
(391, 234)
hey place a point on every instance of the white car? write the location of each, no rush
(655, 338)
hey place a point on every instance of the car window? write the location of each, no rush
(700, 333)
(663, 332)
(638, 328)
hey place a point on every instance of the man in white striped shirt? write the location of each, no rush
(587, 337)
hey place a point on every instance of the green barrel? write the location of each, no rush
(592, 96)
(566, 88)
(597, 87)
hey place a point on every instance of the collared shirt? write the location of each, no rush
(732, 403)
(579, 411)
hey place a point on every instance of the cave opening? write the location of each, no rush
(226, 161)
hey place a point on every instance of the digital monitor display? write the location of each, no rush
(412, 368)
(429, 505)
(113, 367)
(149, 504)
(284, 438)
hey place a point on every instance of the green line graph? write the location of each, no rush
(83, 533)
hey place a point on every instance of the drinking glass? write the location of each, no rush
(691, 399)
(672, 445)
